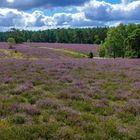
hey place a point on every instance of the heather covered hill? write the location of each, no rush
(52, 93)
(70, 70)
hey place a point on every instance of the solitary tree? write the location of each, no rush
(11, 41)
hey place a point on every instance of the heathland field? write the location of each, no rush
(56, 92)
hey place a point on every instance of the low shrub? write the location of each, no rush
(90, 55)
(18, 119)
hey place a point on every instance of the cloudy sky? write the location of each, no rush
(43, 14)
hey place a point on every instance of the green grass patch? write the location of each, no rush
(71, 53)
(81, 106)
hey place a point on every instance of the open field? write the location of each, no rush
(55, 92)
(83, 48)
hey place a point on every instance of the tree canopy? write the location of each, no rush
(84, 35)
(122, 41)
(133, 44)
(11, 41)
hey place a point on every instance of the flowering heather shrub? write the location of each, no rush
(95, 98)
(137, 86)
(73, 96)
(8, 79)
(39, 53)
(70, 111)
(122, 129)
(69, 116)
(30, 109)
(133, 106)
(96, 93)
(4, 45)
(15, 107)
(23, 87)
(122, 96)
(103, 103)
(67, 79)
(46, 103)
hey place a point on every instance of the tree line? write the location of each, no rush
(122, 41)
(83, 36)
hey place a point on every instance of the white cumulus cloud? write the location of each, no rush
(92, 13)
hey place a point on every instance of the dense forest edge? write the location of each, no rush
(121, 41)
(82, 36)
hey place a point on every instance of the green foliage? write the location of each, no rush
(82, 106)
(71, 53)
(19, 39)
(126, 117)
(17, 35)
(133, 44)
(90, 117)
(29, 132)
(122, 41)
(97, 39)
(11, 42)
(130, 54)
(18, 119)
(65, 133)
(102, 51)
(114, 42)
(90, 55)
(84, 36)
